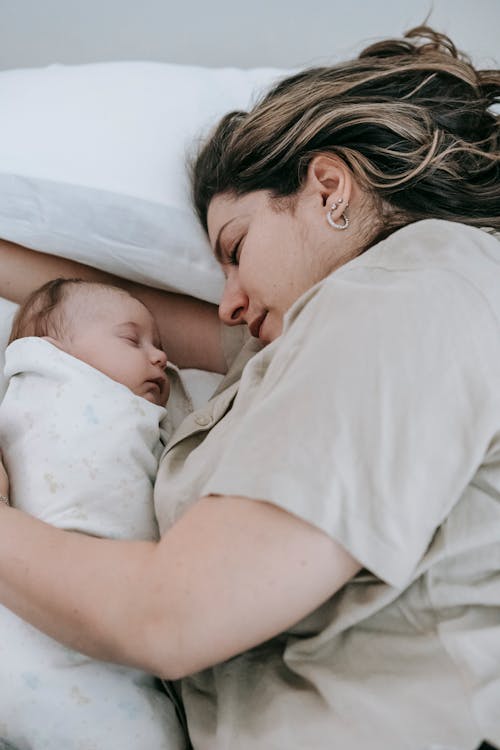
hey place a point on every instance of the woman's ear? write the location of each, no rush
(331, 178)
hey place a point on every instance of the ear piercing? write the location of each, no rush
(329, 216)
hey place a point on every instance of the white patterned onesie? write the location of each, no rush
(82, 452)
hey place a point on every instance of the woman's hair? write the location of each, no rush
(411, 118)
(43, 314)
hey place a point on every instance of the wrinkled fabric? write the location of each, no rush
(82, 452)
(376, 418)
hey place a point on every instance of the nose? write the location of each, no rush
(159, 358)
(234, 302)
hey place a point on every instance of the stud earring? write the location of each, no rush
(333, 208)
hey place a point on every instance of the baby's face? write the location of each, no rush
(120, 338)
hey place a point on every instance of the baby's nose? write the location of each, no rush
(160, 358)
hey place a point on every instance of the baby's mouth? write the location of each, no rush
(156, 387)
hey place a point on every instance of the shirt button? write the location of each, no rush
(203, 420)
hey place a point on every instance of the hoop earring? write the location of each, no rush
(329, 216)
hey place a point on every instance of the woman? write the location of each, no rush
(328, 571)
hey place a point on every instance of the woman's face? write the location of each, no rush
(270, 256)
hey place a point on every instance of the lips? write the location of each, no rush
(159, 384)
(158, 390)
(256, 325)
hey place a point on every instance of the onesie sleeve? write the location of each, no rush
(373, 413)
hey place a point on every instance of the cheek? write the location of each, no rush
(120, 359)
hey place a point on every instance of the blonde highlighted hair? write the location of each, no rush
(411, 118)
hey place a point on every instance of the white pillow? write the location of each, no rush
(93, 164)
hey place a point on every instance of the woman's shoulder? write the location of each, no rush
(428, 254)
(437, 257)
(432, 243)
(434, 265)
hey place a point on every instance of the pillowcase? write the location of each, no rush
(93, 164)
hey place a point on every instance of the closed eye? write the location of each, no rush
(234, 257)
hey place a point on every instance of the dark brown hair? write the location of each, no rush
(411, 118)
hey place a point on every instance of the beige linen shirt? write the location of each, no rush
(375, 417)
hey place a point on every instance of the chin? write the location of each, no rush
(154, 399)
(272, 335)
(270, 330)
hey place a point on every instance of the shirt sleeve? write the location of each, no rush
(374, 413)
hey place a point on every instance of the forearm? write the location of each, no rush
(190, 328)
(230, 574)
(94, 595)
(24, 270)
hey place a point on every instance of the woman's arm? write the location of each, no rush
(229, 575)
(190, 328)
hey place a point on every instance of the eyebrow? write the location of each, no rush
(127, 323)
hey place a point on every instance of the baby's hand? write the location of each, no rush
(4, 479)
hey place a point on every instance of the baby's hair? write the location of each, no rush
(43, 313)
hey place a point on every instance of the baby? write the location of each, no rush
(81, 428)
(103, 326)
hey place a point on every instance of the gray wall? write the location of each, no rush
(229, 32)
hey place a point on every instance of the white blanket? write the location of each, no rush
(81, 451)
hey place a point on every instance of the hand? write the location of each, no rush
(4, 479)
